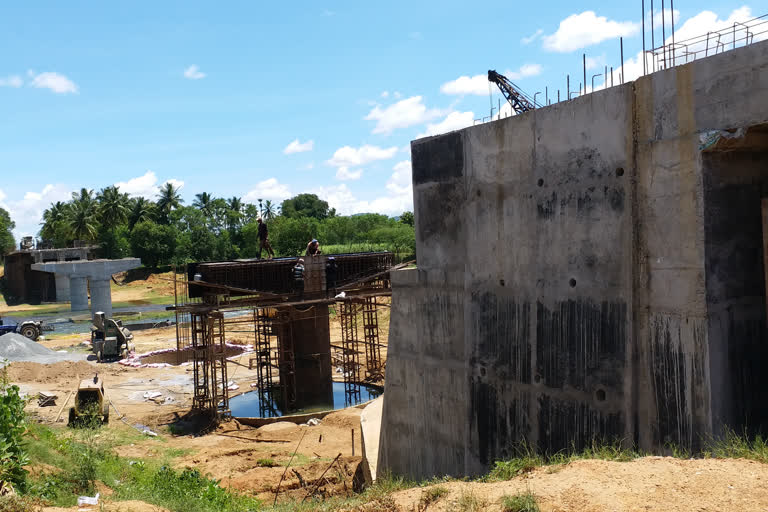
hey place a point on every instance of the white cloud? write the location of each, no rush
(141, 186)
(385, 94)
(666, 18)
(2, 196)
(585, 29)
(307, 167)
(56, 82)
(268, 189)
(408, 112)
(27, 212)
(11, 81)
(595, 62)
(695, 27)
(348, 156)
(532, 37)
(399, 196)
(193, 73)
(397, 95)
(299, 147)
(345, 174)
(478, 84)
(453, 121)
(145, 185)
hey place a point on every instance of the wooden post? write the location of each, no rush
(765, 248)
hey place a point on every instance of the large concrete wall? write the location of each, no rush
(561, 293)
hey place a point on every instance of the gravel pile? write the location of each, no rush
(15, 347)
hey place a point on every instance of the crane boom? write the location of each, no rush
(515, 96)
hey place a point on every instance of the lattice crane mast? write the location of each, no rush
(516, 98)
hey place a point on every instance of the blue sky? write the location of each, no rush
(266, 100)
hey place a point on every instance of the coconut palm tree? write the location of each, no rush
(167, 199)
(81, 220)
(269, 211)
(203, 202)
(141, 210)
(54, 218)
(113, 207)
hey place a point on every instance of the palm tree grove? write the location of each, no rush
(163, 230)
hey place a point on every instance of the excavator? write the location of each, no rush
(519, 101)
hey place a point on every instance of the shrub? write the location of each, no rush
(13, 456)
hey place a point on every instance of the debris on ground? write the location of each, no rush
(46, 399)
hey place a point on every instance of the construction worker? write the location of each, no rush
(313, 248)
(298, 276)
(264, 239)
(330, 273)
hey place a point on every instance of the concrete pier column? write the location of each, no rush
(62, 287)
(101, 296)
(78, 293)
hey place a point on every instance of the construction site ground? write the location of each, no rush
(253, 460)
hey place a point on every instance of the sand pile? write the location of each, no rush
(15, 347)
(70, 371)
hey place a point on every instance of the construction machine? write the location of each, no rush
(518, 100)
(109, 339)
(91, 404)
(28, 328)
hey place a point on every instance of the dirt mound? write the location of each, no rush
(647, 484)
(347, 418)
(65, 370)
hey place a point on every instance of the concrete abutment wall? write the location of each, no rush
(566, 285)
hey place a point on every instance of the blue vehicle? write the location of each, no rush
(28, 328)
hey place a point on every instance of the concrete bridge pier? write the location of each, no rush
(98, 272)
(78, 293)
(101, 296)
(62, 287)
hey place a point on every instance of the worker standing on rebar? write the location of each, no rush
(313, 248)
(298, 276)
(264, 239)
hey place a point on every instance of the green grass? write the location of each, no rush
(266, 463)
(525, 502)
(84, 456)
(735, 446)
(431, 495)
(469, 502)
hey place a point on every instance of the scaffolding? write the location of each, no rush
(350, 354)
(261, 297)
(210, 391)
(373, 361)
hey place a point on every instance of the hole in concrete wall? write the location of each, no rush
(478, 193)
(501, 282)
(600, 395)
(620, 171)
(572, 282)
(482, 372)
(537, 378)
(541, 182)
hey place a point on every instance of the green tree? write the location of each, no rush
(203, 202)
(269, 210)
(113, 207)
(55, 224)
(13, 456)
(7, 243)
(154, 243)
(290, 237)
(81, 219)
(141, 210)
(168, 199)
(305, 205)
(407, 218)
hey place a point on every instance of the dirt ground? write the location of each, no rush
(650, 483)
(236, 454)
(240, 456)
